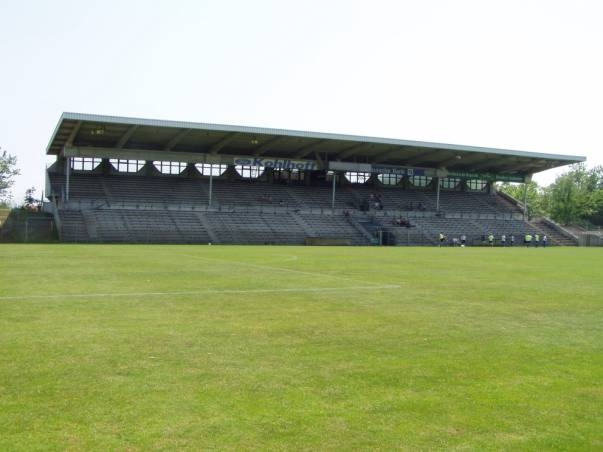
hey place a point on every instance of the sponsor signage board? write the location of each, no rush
(487, 176)
(401, 170)
(276, 163)
(381, 169)
(348, 166)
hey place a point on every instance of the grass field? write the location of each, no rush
(300, 348)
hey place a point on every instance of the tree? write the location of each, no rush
(597, 217)
(537, 196)
(577, 195)
(8, 170)
(30, 201)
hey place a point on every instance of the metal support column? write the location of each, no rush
(333, 195)
(211, 180)
(438, 194)
(525, 201)
(67, 173)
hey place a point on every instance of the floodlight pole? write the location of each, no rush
(211, 179)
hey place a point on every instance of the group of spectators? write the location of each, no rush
(401, 222)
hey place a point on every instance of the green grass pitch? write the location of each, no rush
(108, 347)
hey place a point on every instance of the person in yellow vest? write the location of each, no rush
(528, 239)
(536, 240)
(491, 239)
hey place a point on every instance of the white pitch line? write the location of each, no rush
(198, 292)
(281, 269)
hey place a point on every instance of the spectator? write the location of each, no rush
(401, 222)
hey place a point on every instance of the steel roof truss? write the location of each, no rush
(176, 139)
(217, 147)
(493, 162)
(465, 159)
(73, 133)
(309, 149)
(392, 151)
(421, 157)
(126, 137)
(269, 145)
(350, 151)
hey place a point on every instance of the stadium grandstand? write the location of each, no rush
(152, 181)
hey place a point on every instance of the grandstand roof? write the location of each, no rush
(160, 137)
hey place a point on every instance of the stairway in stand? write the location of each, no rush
(555, 237)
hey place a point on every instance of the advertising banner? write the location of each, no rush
(283, 164)
(487, 176)
(349, 166)
(381, 169)
(401, 170)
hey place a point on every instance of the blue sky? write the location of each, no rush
(511, 74)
